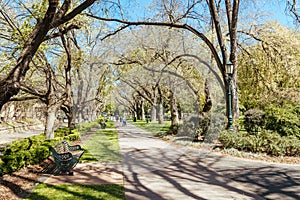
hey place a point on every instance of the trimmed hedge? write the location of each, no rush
(67, 133)
(24, 152)
(253, 120)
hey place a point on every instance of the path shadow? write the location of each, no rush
(198, 174)
(268, 181)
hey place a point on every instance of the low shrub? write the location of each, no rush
(66, 133)
(35, 149)
(110, 124)
(267, 141)
(61, 132)
(24, 152)
(253, 120)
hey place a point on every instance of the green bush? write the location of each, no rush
(61, 132)
(72, 137)
(110, 124)
(25, 152)
(290, 145)
(267, 141)
(253, 120)
(66, 133)
(2, 165)
(284, 120)
(34, 149)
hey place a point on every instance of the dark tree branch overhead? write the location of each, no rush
(72, 14)
(294, 9)
(54, 17)
(223, 50)
(62, 32)
(181, 77)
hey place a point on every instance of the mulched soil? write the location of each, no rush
(19, 184)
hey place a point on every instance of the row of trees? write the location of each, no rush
(163, 74)
(42, 44)
(45, 61)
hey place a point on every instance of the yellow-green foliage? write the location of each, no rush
(66, 133)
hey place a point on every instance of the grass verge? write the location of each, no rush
(78, 192)
(153, 127)
(102, 146)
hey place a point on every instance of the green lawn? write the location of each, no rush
(78, 192)
(102, 146)
(153, 127)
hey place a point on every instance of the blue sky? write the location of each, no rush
(277, 11)
(275, 8)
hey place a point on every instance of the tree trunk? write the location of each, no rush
(174, 114)
(205, 115)
(160, 108)
(50, 120)
(153, 110)
(71, 120)
(153, 113)
(137, 112)
(160, 113)
(143, 110)
(94, 115)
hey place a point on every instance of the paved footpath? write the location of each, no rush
(154, 169)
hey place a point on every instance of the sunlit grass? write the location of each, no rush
(153, 127)
(78, 192)
(110, 124)
(102, 146)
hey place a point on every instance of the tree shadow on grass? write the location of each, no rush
(87, 192)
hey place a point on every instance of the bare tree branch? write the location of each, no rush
(62, 32)
(171, 25)
(293, 9)
(25, 98)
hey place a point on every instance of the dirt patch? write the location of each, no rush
(91, 174)
(18, 185)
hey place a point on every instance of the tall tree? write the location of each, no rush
(55, 15)
(269, 71)
(178, 15)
